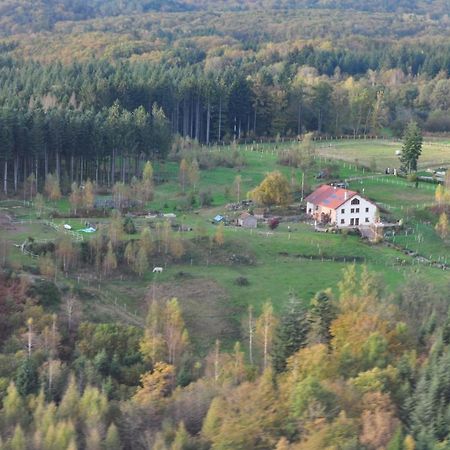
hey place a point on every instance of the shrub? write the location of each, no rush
(241, 281)
(128, 226)
(191, 199)
(273, 223)
(331, 171)
(41, 248)
(45, 292)
(412, 177)
(206, 198)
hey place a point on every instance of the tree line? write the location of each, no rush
(76, 145)
(98, 120)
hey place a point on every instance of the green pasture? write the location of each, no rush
(280, 262)
(423, 239)
(395, 194)
(283, 266)
(382, 153)
(219, 180)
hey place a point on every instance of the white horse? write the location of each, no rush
(157, 269)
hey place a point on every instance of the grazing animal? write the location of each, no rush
(157, 269)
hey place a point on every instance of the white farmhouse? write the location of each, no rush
(340, 207)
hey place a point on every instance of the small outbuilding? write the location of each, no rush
(247, 220)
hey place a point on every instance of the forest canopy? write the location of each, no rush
(211, 72)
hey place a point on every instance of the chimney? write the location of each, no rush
(346, 195)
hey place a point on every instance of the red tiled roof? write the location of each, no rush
(244, 215)
(329, 196)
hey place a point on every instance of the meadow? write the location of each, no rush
(278, 264)
(381, 153)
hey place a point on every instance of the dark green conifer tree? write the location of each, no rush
(292, 332)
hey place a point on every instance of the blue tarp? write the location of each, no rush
(218, 218)
(88, 230)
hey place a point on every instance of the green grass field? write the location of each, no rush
(382, 153)
(299, 262)
(396, 194)
(219, 179)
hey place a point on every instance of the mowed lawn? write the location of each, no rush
(382, 153)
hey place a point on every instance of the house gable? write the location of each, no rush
(357, 211)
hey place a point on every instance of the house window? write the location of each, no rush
(352, 210)
(367, 220)
(367, 209)
(357, 221)
(343, 211)
(357, 210)
(352, 221)
(310, 210)
(342, 221)
(355, 201)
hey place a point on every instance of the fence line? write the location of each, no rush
(77, 237)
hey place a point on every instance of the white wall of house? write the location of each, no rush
(357, 211)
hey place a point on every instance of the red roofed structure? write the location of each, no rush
(330, 196)
(340, 207)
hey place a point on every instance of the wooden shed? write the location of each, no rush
(247, 220)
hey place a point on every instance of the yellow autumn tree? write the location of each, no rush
(409, 443)
(219, 237)
(156, 384)
(47, 266)
(242, 418)
(146, 185)
(110, 261)
(88, 195)
(75, 197)
(51, 187)
(273, 190)
(146, 241)
(165, 336)
(265, 331)
(194, 174)
(183, 174)
(439, 194)
(378, 420)
(442, 226)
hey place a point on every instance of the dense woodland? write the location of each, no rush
(43, 14)
(363, 370)
(93, 97)
(89, 90)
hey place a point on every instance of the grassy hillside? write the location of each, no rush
(275, 264)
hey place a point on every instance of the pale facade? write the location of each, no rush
(341, 208)
(356, 211)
